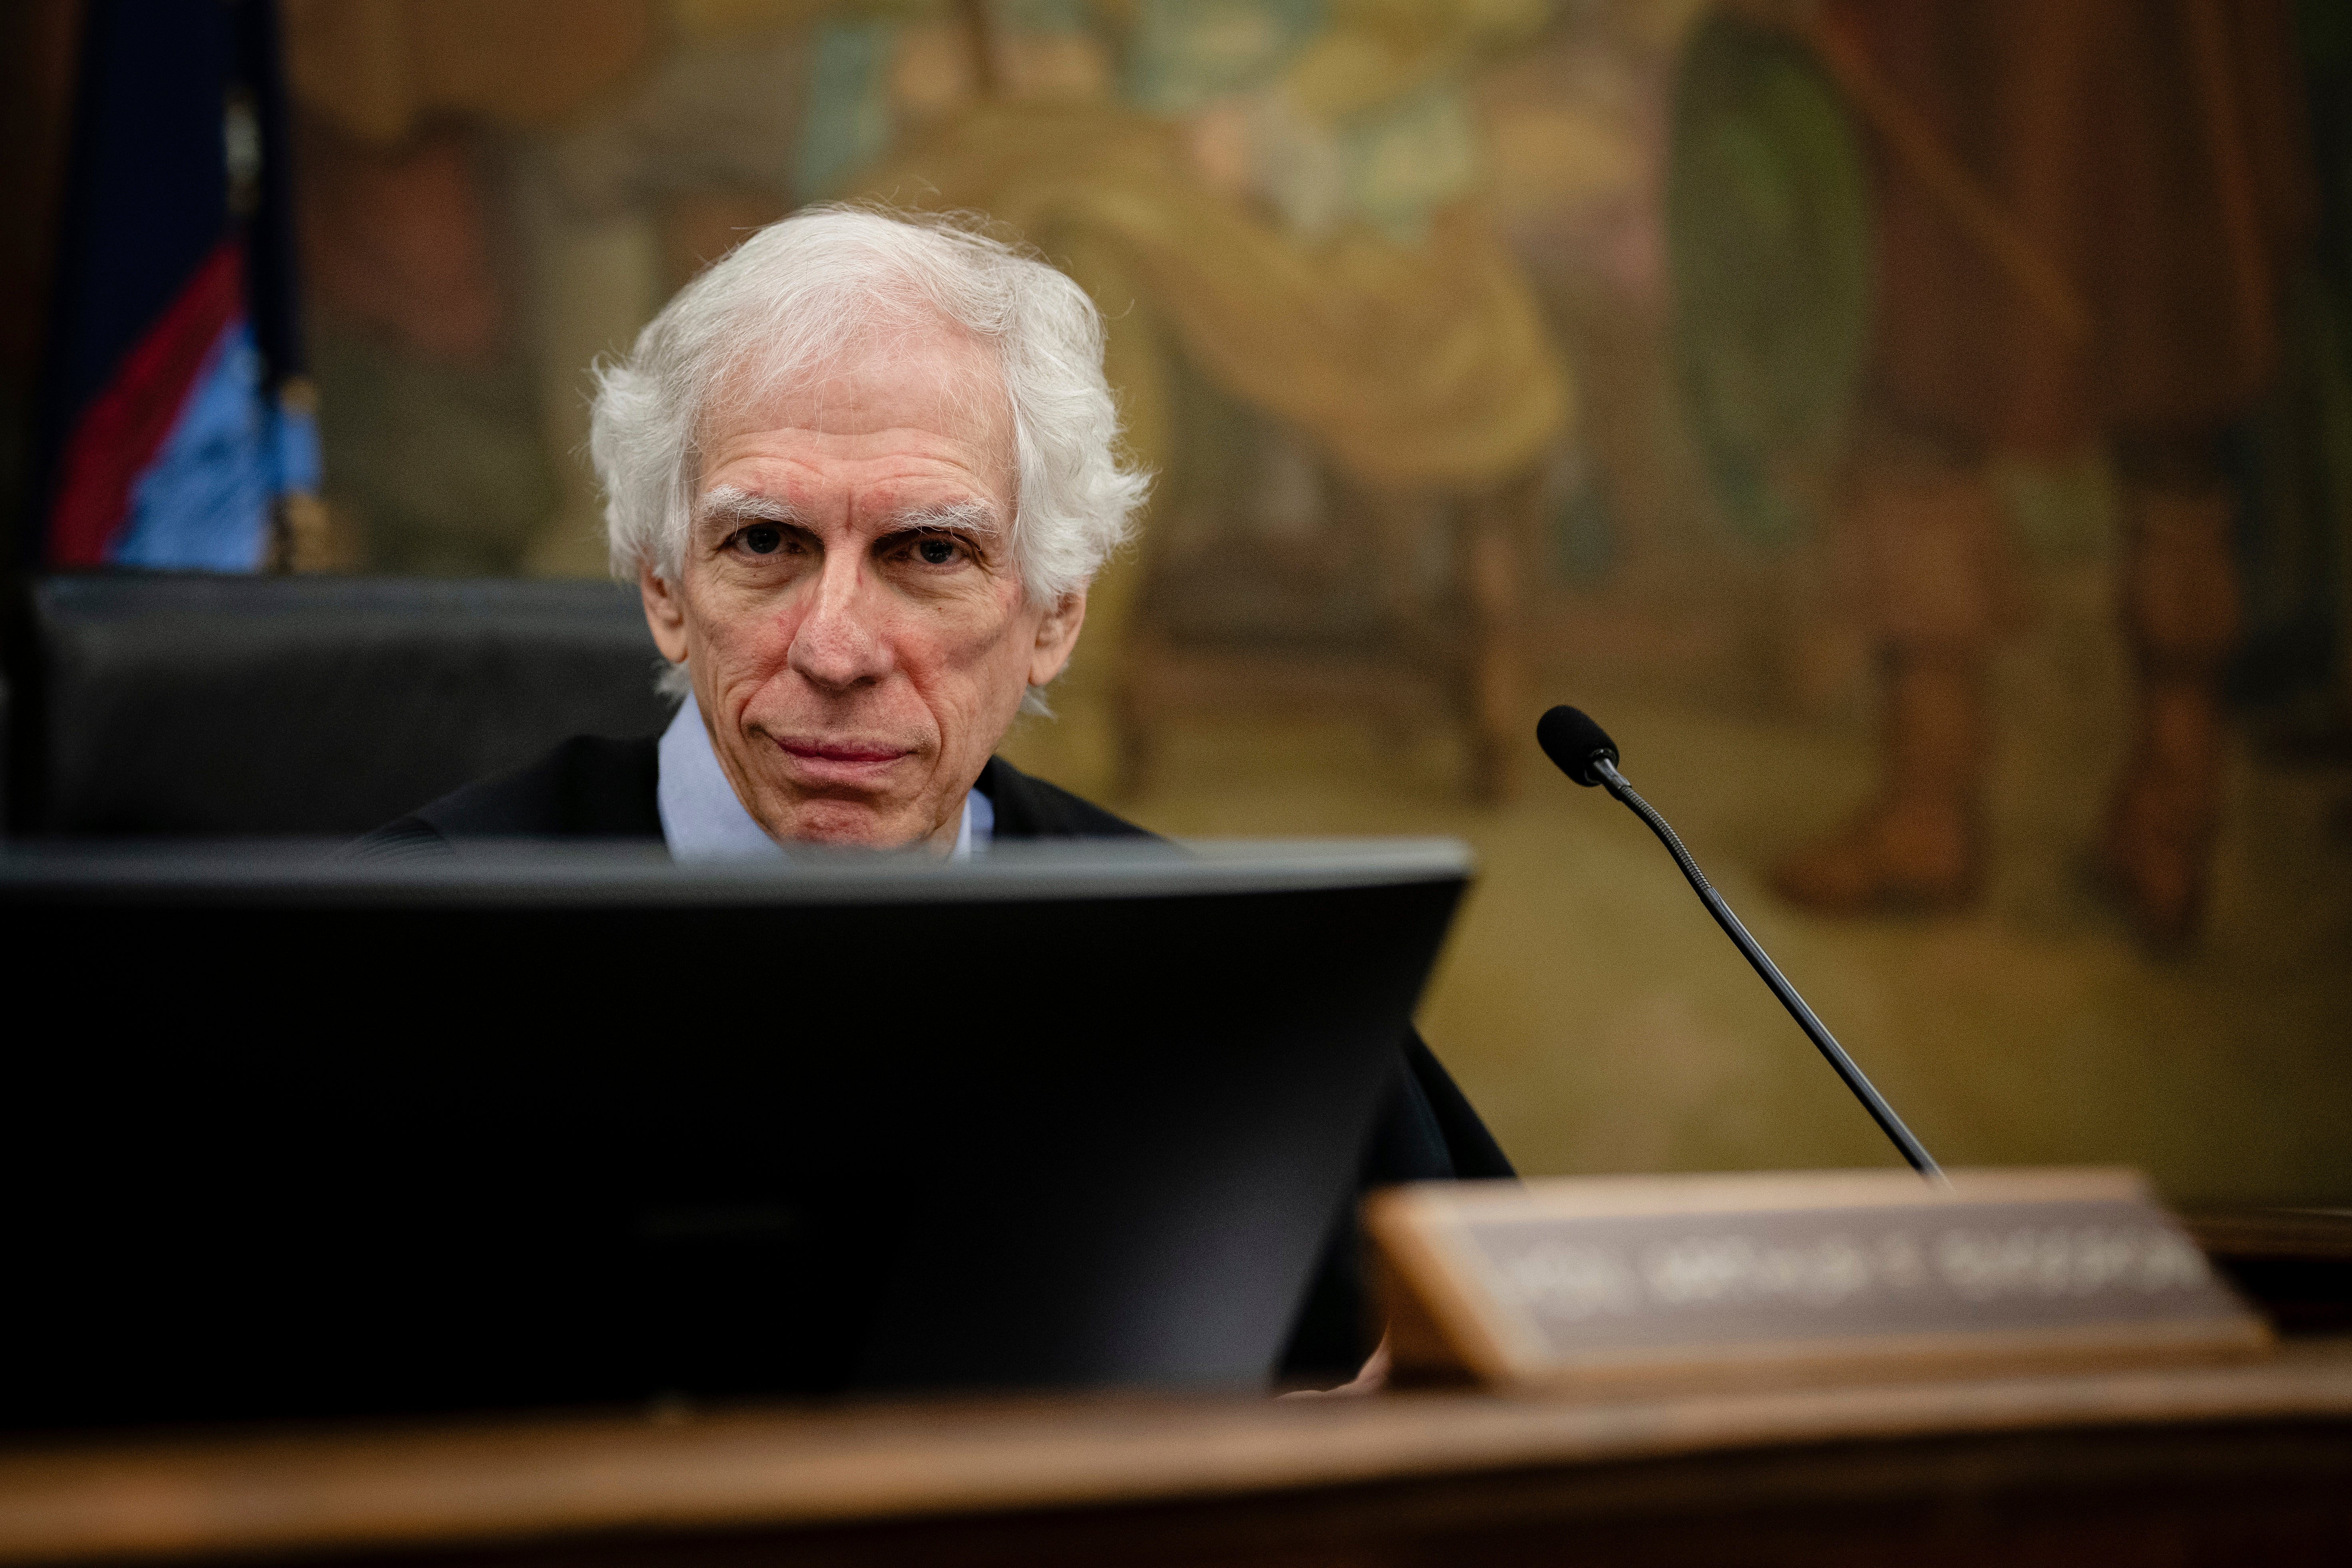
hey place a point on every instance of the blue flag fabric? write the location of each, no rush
(179, 416)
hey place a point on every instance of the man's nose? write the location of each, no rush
(839, 642)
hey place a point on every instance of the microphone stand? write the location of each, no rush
(1872, 1101)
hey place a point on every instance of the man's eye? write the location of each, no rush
(761, 540)
(935, 551)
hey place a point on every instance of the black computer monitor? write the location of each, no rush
(288, 1136)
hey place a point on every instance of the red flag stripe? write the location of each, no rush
(124, 426)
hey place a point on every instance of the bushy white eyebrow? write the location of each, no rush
(968, 517)
(732, 506)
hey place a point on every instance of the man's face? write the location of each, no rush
(858, 635)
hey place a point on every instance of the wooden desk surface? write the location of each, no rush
(1405, 1477)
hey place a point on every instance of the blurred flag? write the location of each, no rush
(180, 427)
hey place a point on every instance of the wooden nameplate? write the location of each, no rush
(1616, 1283)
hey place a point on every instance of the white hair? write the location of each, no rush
(801, 293)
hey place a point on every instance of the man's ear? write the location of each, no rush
(665, 613)
(1057, 634)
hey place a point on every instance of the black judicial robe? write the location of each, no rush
(593, 788)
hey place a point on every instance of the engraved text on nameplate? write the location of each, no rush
(1639, 1282)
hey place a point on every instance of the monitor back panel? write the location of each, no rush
(342, 1152)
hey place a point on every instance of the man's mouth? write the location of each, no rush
(842, 761)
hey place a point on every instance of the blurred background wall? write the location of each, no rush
(1920, 431)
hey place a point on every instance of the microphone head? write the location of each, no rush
(1573, 741)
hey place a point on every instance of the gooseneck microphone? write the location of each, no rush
(1585, 752)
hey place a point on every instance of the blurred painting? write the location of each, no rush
(1919, 430)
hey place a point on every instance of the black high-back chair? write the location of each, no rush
(197, 705)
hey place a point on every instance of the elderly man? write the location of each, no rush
(862, 470)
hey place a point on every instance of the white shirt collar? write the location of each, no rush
(700, 816)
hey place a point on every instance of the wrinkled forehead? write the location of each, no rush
(906, 368)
